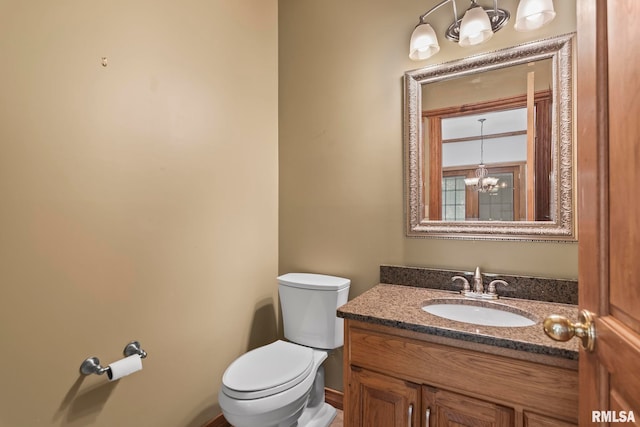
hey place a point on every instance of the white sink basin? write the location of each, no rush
(462, 311)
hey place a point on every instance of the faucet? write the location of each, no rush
(478, 286)
(492, 286)
(465, 284)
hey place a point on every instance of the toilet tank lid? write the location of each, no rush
(321, 282)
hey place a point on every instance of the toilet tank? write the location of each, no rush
(309, 303)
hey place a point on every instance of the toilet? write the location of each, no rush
(282, 384)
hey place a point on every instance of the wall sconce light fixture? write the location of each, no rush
(477, 25)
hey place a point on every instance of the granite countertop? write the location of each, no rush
(400, 306)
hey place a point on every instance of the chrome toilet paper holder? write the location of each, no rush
(92, 365)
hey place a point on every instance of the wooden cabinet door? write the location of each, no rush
(537, 420)
(446, 409)
(378, 400)
(608, 205)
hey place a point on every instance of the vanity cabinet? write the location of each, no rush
(381, 400)
(395, 377)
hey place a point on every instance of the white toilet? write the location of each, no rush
(282, 384)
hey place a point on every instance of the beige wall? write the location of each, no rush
(341, 192)
(137, 201)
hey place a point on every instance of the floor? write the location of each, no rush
(337, 422)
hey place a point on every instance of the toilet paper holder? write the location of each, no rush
(92, 365)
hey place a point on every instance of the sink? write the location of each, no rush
(479, 313)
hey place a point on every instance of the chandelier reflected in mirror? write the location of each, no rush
(483, 183)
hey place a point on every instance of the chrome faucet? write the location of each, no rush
(478, 286)
(492, 286)
(465, 283)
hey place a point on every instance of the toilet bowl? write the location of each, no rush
(282, 384)
(271, 385)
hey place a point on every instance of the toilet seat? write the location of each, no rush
(267, 370)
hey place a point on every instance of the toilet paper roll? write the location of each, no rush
(124, 367)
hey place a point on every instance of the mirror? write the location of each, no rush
(489, 145)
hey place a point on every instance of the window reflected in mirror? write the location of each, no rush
(502, 148)
(506, 139)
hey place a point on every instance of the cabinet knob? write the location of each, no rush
(559, 328)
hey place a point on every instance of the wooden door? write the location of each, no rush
(379, 400)
(608, 120)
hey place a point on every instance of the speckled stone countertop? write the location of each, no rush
(400, 306)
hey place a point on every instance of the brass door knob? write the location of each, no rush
(560, 328)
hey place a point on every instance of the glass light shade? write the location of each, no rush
(533, 14)
(424, 43)
(475, 27)
(471, 181)
(490, 181)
